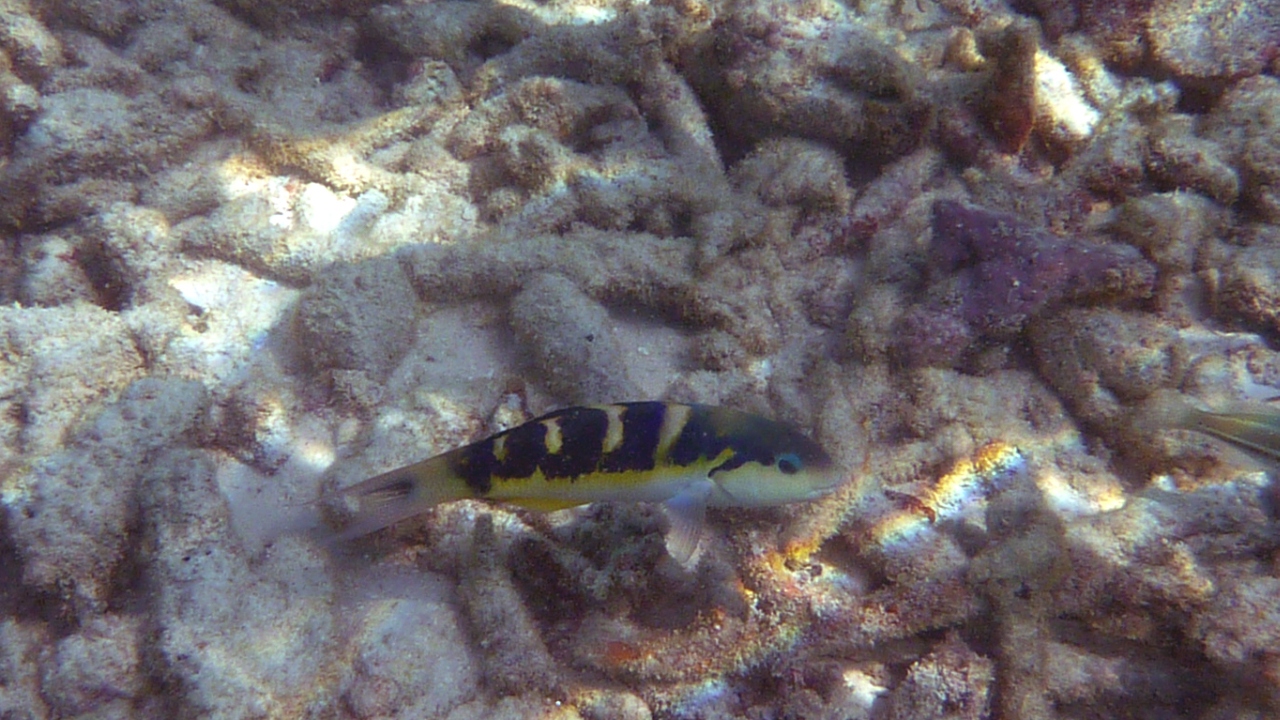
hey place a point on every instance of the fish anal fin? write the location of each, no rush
(543, 504)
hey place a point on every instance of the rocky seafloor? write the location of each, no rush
(254, 251)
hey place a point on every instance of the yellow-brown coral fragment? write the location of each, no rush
(967, 482)
(515, 658)
(788, 611)
(952, 682)
(898, 525)
(614, 268)
(339, 160)
(715, 644)
(598, 163)
(572, 339)
(1019, 575)
(1009, 103)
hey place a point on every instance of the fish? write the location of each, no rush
(1256, 430)
(685, 456)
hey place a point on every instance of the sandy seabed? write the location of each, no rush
(254, 251)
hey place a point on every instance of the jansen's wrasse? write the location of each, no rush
(686, 457)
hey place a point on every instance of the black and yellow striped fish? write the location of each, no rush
(687, 457)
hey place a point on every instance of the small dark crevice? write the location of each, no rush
(109, 290)
(383, 64)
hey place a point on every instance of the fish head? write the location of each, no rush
(781, 467)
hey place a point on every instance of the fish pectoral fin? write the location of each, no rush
(543, 504)
(687, 513)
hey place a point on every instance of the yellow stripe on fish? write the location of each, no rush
(684, 456)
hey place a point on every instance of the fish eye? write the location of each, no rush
(789, 464)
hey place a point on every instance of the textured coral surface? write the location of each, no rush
(251, 252)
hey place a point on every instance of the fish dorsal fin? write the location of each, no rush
(687, 512)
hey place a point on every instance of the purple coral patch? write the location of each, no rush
(1001, 271)
(1010, 270)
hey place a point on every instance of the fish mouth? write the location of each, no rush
(824, 489)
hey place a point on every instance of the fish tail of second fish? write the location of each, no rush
(1253, 431)
(1167, 410)
(393, 496)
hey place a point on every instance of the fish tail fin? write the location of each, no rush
(1167, 410)
(1251, 438)
(386, 499)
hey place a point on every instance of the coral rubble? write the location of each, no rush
(251, 252)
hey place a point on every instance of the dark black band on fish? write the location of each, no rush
(474, 464)
(707, 434)
(564, 444)
(581, 443)
(641, 430)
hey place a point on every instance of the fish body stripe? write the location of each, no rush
(711, 432)
(565, 444)
(640, 430)
(571, 443)
(400, 487)
(526, 445)
(620, 439)
(510, 454)
(474, 464)
(697, 439)
(555, 439)
(582, 434)
(674, 424)
(613, 436)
